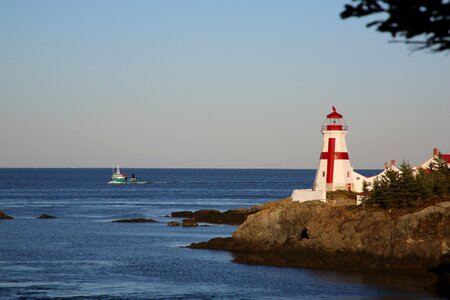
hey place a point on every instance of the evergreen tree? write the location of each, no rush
(438, 164)
(390, 188)
(408, 193)
(365, 187)
(376, 193)
(424, 184)
(440, 173)
(384, 189)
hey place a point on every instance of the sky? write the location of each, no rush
(210, 84)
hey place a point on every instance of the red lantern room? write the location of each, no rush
(334, 121)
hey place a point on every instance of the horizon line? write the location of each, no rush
(182, 168)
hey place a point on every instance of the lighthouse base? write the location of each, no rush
(308, 195)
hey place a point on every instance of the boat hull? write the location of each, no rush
(127, 182)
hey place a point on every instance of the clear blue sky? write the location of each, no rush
(208, 83)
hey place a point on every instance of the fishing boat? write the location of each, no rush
(122, 178)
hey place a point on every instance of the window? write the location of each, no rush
(348, 174)
(357, 178)
(323, 174)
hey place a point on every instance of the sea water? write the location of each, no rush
(82, 254)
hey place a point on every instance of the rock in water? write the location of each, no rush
(182, 214)
(173, 223)
(45, 216)
(138, 220)
(216, 244)
(229, 217)
(4, 216)
(189, 223)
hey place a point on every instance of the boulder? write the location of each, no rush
(182, 214)
(189, 223)
(173, 223)
(138, 220)
(45, 216)
(229, 217)
(215, 244)
(4, 216)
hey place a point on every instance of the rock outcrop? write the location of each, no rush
(341, 237)
(4, 216)
(229, 217)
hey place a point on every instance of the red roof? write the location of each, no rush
(334, 114)
(446, 157)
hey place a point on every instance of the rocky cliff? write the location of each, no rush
(315, 234)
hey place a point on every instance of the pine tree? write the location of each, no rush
(384, 189)
(408, 193)
(365, 187)
(440, 173)
(390, 187)
(424, 184)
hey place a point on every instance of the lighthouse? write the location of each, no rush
(334, 171)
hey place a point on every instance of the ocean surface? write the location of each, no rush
(82, 254)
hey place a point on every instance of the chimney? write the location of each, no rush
(392, 162)
(385, 166)
(435, 151)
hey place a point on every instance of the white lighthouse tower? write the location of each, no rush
(334, 171)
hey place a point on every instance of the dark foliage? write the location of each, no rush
(423, 23)
(406, 189)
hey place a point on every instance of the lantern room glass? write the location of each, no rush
(334, 124)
